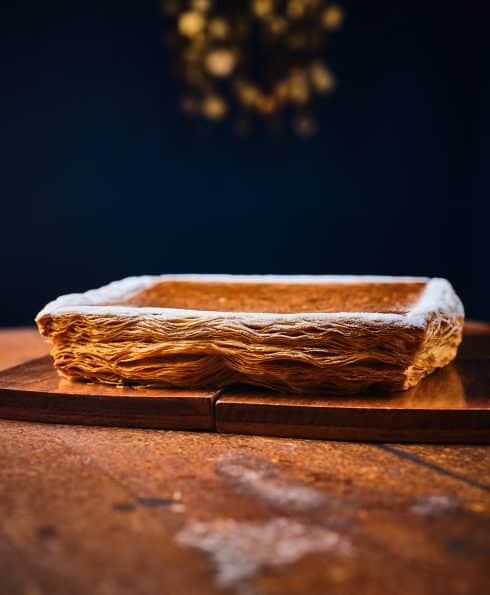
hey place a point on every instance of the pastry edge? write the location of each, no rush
(438, 313)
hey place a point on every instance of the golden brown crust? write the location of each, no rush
(405, 330)
(281, 298)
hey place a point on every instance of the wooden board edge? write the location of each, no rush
(355, 434)
(470, 426)
(44, 407)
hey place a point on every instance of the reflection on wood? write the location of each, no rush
(452, 405)
(442, 390)
(34, 391)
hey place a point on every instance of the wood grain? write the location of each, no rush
(34, 391)
(452, 405)
(468, 463)
(63, 517)
(100, 510)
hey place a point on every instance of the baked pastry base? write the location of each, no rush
(300, 334)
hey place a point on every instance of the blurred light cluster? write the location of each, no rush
(253, 59)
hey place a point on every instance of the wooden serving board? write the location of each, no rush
(34, 391)
(451, 405)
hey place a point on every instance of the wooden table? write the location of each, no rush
(103, 511)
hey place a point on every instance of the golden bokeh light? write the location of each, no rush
(248, 94)
(220, 62)
(278, 25)
(322, 78)
(201, 5)
(191, 23)
(262, 8)
(266, 105)
(218, 28)
(333, 17)
(253, 59)
(214, 107)
(299, 90)
(295, 9)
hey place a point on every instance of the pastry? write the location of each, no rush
(303, 334)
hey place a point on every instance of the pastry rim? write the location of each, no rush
(437, 297)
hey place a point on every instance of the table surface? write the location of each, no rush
(103, 511)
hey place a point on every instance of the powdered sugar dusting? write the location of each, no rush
(241, 550)
(438, 297)
(300, 352)
(95, 300)
(435, 505)
(256, 476)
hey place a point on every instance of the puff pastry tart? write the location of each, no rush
(303, 334)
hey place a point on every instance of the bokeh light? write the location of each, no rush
(253, 59)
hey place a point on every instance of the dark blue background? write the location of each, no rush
(102, 177)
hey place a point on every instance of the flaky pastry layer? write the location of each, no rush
(124, 333)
